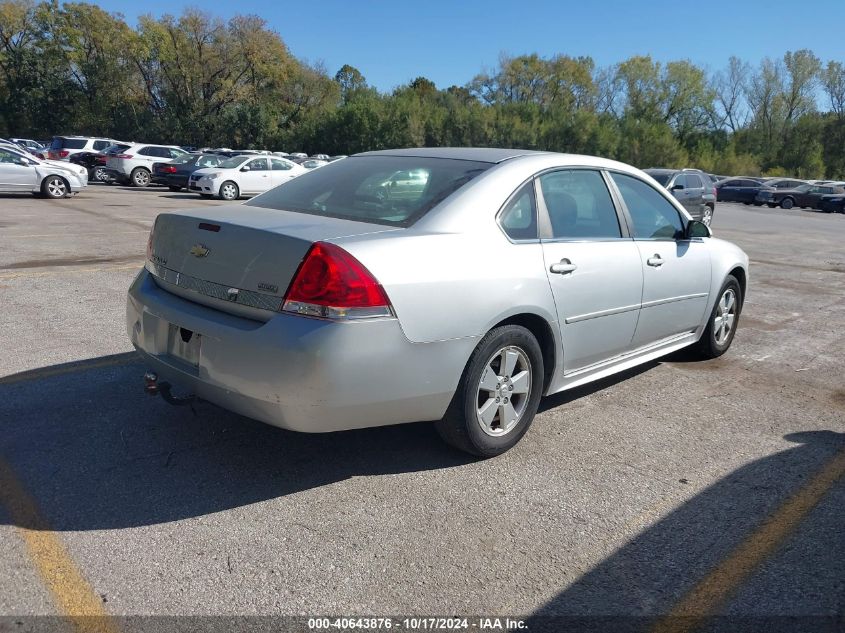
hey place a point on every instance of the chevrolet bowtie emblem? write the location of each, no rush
(199, 250)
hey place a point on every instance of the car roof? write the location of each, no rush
(478, 154)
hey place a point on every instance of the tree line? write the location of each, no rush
(199, 80)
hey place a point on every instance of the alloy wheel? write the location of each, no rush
(56, 188)
(723, 321)
(503, 391)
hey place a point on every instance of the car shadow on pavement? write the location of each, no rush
(96, 452)
(782, 570)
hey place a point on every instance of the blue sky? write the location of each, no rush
(391, 42)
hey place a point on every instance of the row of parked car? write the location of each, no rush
(221, 172)
(786, 193)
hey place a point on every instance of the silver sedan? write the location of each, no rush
(347, 298)
(20, 171)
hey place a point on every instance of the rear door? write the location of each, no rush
(729, 191)
(593, 266)
(281, 171)
(676, 271)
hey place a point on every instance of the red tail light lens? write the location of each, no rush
(331, 283)
(168, 169)
(64, 153)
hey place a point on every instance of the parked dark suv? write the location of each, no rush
(692, 188)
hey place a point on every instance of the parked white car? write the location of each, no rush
(20, 171)
(135, 165)
(243, 175)
(63, 147)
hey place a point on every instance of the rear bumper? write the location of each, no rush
(296, 372)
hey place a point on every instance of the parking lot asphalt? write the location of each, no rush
(679, 488)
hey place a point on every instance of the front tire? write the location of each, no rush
(498, 394)
(721, 327)
(229, 191)
(707, 218)
(54, 187)
(140, 177)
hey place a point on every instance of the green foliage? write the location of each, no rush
(200, 80)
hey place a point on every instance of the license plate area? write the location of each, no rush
(184, 345)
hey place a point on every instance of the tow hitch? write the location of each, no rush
(153, 387)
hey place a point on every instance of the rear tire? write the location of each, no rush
(787, 203)
(707, 218)
(140, 177)
(229, 191)
(54, 187)
(498, 394)
(724, 319)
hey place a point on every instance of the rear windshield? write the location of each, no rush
(115, 149)
(394, 190)
(68, 143)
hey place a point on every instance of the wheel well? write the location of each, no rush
(542, 331)
(739, 273)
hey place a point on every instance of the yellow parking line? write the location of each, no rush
(717, 587)
(72, 594)
(136, 266)
(36, 374)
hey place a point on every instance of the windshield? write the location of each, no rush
(235, 161)
(396, 190)
(662, 178)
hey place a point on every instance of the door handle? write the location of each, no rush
(563, 267)
(655, 261)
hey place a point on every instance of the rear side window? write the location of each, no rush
(653, 215)
(579, 205)
(519, 217)
(280, 165)
(359, 188)
(61, 142)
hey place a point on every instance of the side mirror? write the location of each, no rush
(697, 228)
(245, 168)
(676, 187)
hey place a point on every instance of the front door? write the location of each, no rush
(257, 178)
(676, 271)
(16, 172)
(593, 268)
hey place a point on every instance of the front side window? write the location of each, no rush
(259, 164)
(12, 158)
(357, 188)
(579, 205)
(519, 217)
(654, 217)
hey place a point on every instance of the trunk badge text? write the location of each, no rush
(199, 250)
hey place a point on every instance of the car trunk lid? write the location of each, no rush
(236, 256)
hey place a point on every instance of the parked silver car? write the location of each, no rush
(328, 303)
(21, 171)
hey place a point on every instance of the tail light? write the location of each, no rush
(168, 169)
(54, 155)
(123, 156)
(332, 284)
